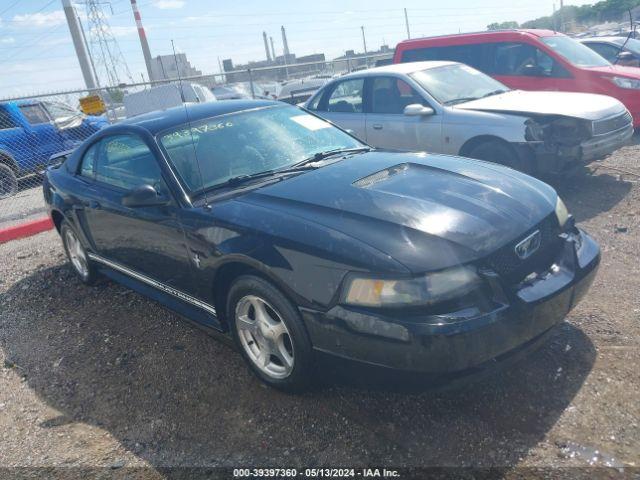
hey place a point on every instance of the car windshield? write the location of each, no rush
(575, 52)
(451, 84)
(218, 149)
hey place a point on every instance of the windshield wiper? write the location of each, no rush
(316, 157)
(296, 167)
(460, 100)
(495, 92)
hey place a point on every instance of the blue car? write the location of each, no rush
(266, 223)
(32, 131)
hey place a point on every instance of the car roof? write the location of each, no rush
(158, 121)
(486, 35)
(603, 39)
(402, 68)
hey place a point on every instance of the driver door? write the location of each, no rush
(148, 240)
(386, 124)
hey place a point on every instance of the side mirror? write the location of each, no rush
(626, 59)
(144, 196)
(417, 110)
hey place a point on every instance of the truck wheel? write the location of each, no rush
(501, 153)
(8, 181)
(268, 330)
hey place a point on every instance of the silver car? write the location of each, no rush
(448, 107)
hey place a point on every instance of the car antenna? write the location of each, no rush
(186, 112)
(631, 32)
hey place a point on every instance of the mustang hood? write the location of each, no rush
(586, 106)
(425, 211)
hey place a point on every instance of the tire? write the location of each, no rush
(77, 255)
(501, 153)
(274, 343)
(8, 181)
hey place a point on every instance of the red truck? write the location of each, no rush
(532, 60)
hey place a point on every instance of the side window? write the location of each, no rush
(60, 111)
(473, 55)
(89, 161)
(126, 162)
(346, 97)
(390, 95)
(607, 51)
(524, 60)
(5, 120)
(35, 114)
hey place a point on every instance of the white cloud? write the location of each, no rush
(39, 19)
(7, 40)
(169, 4)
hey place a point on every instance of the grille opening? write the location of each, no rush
(512, 269)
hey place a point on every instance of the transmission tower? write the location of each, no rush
(110, 63)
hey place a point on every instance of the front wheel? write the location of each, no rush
(501, 153)
(269, 332)
(8, 181)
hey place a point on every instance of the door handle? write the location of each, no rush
(94, 204)
(377, 126)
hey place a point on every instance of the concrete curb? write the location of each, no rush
(26, 229)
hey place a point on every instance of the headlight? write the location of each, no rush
(533, 131)
(561, 212)
(628, 83)
(425, 290)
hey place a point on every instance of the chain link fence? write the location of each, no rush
(39, 130)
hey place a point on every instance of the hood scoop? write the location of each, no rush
(381, 175)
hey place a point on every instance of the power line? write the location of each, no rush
(9, 7)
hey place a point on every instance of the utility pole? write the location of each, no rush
(561, 15)
(143, 40)
(79, 44)
(364, 40)
(406, 22)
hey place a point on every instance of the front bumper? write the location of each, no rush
(462, 340)
(555, 159)
(602, 145)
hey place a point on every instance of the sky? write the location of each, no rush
(37, 55)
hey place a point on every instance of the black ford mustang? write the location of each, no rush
(259, 220)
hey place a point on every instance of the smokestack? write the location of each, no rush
(273, 50)
(266, 46)
(78, 43)
(146, 53)
(285, 45)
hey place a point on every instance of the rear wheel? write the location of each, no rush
(8, 181)
(77, 255)
(268, 329)
(501, 153)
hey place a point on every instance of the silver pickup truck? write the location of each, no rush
(448, 107)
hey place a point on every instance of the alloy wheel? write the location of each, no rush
(77, 255)
(264, 337)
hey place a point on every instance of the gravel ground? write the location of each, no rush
(102, 377)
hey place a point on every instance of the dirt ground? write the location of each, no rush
(102, 377)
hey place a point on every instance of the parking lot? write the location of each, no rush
(102, 377)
